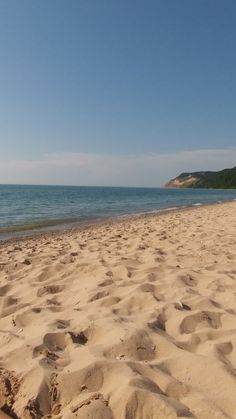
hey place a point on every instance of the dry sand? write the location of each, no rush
(132, 320)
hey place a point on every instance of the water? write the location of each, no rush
(23, 208)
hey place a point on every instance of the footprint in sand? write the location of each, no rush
(9, 301)
(147, 287)
(201, 320)
(106, 282)
(61, 324)
(10, 305)
(98, 296)
(50, 289)
(188, 280)
(52, 350)
(110, 301)
(137, 346)
(53, 301)
(224, 348)
(4, 290)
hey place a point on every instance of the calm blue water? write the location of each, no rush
(27, 207)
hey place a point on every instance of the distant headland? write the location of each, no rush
(223, 179)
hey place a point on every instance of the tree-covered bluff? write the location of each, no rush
(223, 179)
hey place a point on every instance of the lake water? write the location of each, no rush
(24, 207)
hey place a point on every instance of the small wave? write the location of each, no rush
(197, 204)
(171, 208)
(156, 211)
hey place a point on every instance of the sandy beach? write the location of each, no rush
(128, 320)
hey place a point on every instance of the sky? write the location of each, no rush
(108, 92)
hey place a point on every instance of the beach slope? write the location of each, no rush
(132, 319)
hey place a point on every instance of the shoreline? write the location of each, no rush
(63, 228)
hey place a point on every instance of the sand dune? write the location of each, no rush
(127, 320)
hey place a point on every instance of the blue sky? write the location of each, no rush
(88, 80)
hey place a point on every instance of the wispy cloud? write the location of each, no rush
(76, 168)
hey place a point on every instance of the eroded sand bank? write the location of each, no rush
(135, 319)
